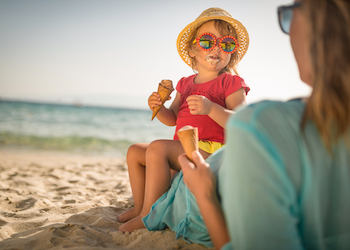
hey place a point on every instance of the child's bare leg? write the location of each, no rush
(136, 161)
(160, 156)
(173, 173)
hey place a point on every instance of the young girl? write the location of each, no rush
(212, 45)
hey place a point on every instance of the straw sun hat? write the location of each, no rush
(208, 15)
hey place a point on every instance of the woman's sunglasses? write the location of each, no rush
(207, 42)
(285, 15)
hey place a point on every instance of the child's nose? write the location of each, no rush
(216, 46)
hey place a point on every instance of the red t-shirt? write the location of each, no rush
(216, 91)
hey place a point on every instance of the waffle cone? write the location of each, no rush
(188, 137)
(165, 88)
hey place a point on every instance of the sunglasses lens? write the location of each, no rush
(285, 18)
(206, 41)
(228, 44)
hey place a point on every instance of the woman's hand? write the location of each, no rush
(198, 177)
(199, 105)
(202, 183)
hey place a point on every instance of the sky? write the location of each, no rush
(114, 53)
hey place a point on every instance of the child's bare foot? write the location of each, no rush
(132, 225)
(128, 215)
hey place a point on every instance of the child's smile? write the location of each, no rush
(212, 59)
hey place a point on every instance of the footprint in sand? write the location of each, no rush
(122, 167)
(2, 222)
(69, 201)
(19, 205)
(28, 225)
(71, 235)
(99, 217)
(73, 181)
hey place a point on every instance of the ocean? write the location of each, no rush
(77, 129)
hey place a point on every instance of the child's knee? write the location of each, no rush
(133, 151)
(156, 147)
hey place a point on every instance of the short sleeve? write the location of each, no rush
(180, 85)
(232, 83)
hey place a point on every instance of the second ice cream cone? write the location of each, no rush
(188, 137)
(165, 88)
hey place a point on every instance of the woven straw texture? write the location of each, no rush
(207, 15)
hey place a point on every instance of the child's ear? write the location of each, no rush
(191, 53)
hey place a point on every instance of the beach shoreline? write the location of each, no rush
(56, 200)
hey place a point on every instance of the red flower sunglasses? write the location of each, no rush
(207, 42)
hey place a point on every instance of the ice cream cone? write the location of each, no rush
(165, 88)
(188, 136)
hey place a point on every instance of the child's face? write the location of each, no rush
(214, 60)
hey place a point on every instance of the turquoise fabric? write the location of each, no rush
(178, 209)
(284, 191)
(280, 188)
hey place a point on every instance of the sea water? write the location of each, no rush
(77, 129)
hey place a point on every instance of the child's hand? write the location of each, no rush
(199, 105)
(154, 100)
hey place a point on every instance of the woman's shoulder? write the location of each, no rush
(270, 113)
(274, 127)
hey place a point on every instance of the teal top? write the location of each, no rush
(280, 187)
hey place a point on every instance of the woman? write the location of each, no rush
(285, 178)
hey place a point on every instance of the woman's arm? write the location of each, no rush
(202, 183)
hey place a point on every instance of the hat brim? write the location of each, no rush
(186, 33)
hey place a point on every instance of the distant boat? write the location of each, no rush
(78, 104)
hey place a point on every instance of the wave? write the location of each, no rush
(65, 143)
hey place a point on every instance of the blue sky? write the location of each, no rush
(114, 53)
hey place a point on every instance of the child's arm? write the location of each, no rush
(200, 105)
(166, 116)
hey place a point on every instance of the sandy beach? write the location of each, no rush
(54, 200)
